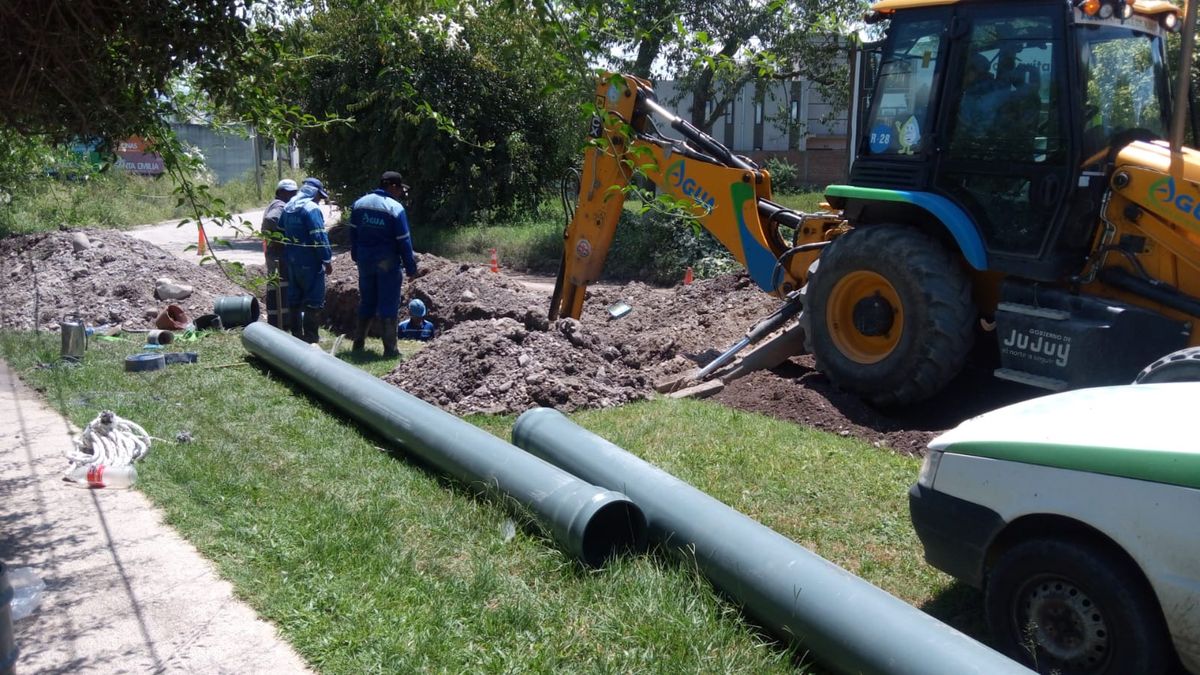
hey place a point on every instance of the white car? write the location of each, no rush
(1078, 514)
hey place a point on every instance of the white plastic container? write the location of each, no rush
(101, 476)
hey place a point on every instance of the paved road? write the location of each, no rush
(124, 592)
(236, 241)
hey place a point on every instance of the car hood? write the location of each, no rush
(1143, 431)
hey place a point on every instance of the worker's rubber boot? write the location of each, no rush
(294, 321)
(312, 325)
(389, 338)
(360, 334)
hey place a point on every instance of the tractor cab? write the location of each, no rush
(1001, 120)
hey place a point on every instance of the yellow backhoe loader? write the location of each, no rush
(1019, 178)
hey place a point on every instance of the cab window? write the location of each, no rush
(901, 112)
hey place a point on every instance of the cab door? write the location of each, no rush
(1003, 150)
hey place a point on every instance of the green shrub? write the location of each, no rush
(784, 175)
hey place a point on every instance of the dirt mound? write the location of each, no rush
(500, 365)
(497, 352)
(452, 292)
(109, 281)
(798, 393)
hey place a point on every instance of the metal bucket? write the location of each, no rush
(160, 337)
(8, 645)
(74, 337)
(236, 310)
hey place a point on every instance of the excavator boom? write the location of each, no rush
(727, 194)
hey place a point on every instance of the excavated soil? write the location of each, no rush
(495, 350)
(497, 353)
(111, 281)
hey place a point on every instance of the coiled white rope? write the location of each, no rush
(109, 440)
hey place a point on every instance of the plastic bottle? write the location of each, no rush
(27, 591)
(101, 476)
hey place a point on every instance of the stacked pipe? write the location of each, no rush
(589, 522)
(845, 621)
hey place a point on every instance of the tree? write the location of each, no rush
(713, 48)
(469, 105)
(104, 69)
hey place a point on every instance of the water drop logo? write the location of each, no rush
(1163, 189)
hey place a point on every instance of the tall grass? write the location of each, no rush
(114, 199)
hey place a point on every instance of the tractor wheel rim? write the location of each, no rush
(1064, 622)
(847, 294)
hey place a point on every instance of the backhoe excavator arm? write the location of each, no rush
(727, 194)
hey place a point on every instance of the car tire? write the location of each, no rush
(1070, 606)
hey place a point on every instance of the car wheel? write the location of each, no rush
(1179, 366)
(1072, 607)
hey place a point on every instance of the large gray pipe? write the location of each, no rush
(845, 621)
(589, 522)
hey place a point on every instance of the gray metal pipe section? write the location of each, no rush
(590, 522)
(845, 621)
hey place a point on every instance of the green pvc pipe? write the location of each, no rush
(589, 522)
(843, 620)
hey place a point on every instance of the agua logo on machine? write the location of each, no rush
(677, 176)
(1164, 190)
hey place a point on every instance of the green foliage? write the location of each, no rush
(104, 68)
(476, 113)
(713, 48)
(657, 247)
(111, 199)
(784, 175)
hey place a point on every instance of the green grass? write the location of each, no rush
(114, 200)
(368, 562)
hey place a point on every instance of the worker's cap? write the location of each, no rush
(392, 178)
(318, 188)
(287, 185)
(416, 307)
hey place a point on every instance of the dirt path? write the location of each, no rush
(234, 241)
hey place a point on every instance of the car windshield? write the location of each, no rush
(1125, 84)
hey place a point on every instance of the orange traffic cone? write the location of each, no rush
(495, 262)
(200, 245)
(688, 276)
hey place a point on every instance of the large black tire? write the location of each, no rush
(1179, 366)
(845, 310)
(1073, 607)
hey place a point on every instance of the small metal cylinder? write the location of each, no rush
(74, 338)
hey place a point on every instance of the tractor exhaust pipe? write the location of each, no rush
(847, 622)
(589, 522)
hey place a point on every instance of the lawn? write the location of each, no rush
(369, 562)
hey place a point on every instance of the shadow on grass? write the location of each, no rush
(960, 606)
(366, 356)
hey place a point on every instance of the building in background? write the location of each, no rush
(229, 155)
(786, 120)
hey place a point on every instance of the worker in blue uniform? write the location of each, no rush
(380, 243)
(416, 326)
(309, 258)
